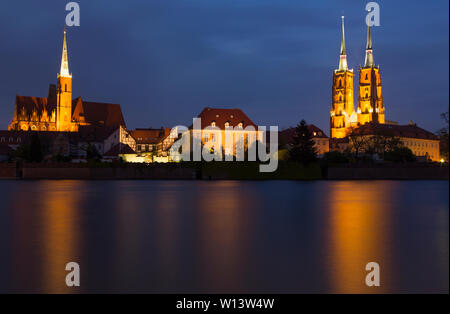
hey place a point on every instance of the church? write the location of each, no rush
(59, 112)
(369, 117)
(343, 117)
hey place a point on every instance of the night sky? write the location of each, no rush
(165, 60)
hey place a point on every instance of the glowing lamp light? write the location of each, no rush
(442, 160)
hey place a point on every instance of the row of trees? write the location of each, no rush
(387, 146)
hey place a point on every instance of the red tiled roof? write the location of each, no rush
(97, 113)
(221, 116)
(149, 136)
(287, 136)
(93, 133)
(409, 131)
(30, 104)
(119, 149)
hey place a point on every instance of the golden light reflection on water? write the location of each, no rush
(223, 211)
(358, 233)
(60, 206)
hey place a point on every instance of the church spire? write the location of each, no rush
(343, 57)
(369, 63)
(64, 72)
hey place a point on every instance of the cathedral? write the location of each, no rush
(370, 108)
(59, 112)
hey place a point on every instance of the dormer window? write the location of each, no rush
(213, 124)
(227, 124)
(240, 125)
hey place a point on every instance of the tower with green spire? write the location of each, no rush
(370, 100)
(342, 110)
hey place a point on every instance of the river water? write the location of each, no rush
(224, 236)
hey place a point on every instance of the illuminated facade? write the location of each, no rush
(53, 113)
(342, 114)
(58, 112)
(226, 130)
(370, 101)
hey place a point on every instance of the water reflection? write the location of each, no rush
(224, 236)
(359, 225)
(60, 237)
(223, 214)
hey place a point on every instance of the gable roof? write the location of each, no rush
(149, 136)
(221, 116)
(287, 135)
(30, 104)
(408, 131)
(97, 113)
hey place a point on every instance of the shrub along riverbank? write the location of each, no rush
(223, 171)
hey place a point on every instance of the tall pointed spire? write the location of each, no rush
(369, 63)
(64, 72)
(343, 57)
(343, 38)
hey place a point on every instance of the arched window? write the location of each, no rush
(227, 124)
(367, 76)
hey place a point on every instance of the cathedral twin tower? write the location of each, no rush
(370, 101)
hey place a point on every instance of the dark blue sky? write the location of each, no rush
(165, 60)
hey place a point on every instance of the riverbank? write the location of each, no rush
(221, 171)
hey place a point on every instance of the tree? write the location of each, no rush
(400, 154)
(443, 136)
(303, 149)
(92, 153)
(358, 143)
(335, 157)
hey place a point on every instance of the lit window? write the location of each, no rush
(213, 124)
(227, 124)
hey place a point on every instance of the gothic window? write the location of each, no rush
(213, 124)
(340, 98)
(367, 76)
